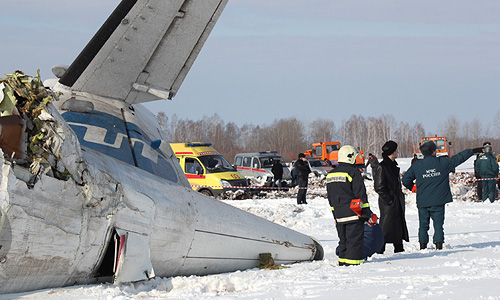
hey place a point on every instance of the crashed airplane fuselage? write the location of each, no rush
(105, 199)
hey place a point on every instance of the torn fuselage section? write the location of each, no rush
(122, 208)
(126, 258)
(34, 137)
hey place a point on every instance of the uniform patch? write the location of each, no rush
(331, 179)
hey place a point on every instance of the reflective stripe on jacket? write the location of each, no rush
(345, 183)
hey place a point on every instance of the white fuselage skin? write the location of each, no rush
(58, 232)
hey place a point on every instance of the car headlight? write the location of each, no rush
(225, 183)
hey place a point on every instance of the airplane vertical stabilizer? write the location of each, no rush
(144, 50)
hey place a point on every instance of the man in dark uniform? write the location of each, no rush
(487, 168)
(479, 183)
(349, 202)
(433, 189)
(277, 170)
(302, 169)
(414, 159)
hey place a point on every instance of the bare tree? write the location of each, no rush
(450, 128)
(290, 135)
(321, 130)
(496, 125)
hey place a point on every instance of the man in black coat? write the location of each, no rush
(414, 159)
(302, 169)
(277, 170)
(391, 200)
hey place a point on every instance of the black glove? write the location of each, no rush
(478, 150)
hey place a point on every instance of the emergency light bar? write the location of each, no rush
(199, 144)
(264, 152)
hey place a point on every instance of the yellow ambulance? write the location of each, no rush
(207, 171)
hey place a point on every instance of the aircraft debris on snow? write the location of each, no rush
(90, 191)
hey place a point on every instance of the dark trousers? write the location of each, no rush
(489, 190)
(301, 195)
(277, 182)
(351, 236)
(436, 213)
(479, 188)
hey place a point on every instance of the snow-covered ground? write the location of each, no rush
(467, 268)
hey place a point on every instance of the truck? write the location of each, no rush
(443, 146)
(330, 151)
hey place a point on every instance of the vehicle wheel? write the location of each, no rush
(207, 193)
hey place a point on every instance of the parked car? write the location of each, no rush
(318, 166)
(259, 165)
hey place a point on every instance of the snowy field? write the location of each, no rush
(467, 268)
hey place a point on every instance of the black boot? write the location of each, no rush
(439, 246)
(398, 248)
(423, 246)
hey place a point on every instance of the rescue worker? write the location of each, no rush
(302, 168)
(498, 181)
(277, 171)
(414, 159)
(391, 200)
(349, 202)
(433, 189)
(487, 167)
(328, 162)
(479, 183)
(371, 159)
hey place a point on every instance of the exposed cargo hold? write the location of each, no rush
(207, 171)
(330, 151)
(91, 191)
(444, 147)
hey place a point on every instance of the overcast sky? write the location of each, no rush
(416, 60)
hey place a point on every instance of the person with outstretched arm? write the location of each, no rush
(431, 175)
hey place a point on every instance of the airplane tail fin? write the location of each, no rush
(144, 50)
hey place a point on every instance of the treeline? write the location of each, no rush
(290, 136)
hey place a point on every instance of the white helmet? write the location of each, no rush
(347, 154)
